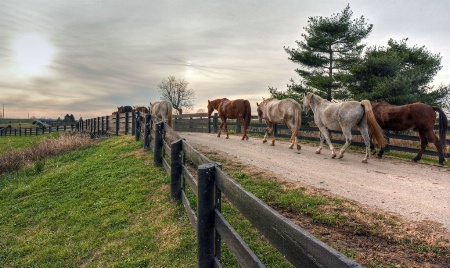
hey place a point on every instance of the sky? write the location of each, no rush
(87, 57)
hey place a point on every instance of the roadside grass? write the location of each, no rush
(8, 143)
(39, 149)
(103, 206)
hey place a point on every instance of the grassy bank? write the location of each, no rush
(104, 206)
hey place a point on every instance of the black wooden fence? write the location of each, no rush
(210, 184)
(22, 131)
(202, 123)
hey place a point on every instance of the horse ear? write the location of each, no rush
(257, 104)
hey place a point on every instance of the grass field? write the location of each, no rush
(107, 206)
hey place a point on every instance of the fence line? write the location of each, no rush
(9, 131)
(123, 123)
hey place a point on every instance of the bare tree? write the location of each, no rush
(177, 92)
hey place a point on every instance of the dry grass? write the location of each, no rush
(14, 159)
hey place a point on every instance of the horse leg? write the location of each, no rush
(348, 140)
(366, 138)
(273, 135)
(439, 146)
(220, 128)
(293, 139)
(226, 128)
(268, 129)
(324, 133)
(423, 145)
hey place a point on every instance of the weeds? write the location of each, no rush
(13, 159)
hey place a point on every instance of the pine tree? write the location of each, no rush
(397, 74)
(330, 47)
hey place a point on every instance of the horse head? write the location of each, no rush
(210, 108)
(260, 113)
(307, 102)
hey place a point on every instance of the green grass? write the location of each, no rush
(17, 142)
(102, 206)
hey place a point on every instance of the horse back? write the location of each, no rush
(234, 109)
(404, 117)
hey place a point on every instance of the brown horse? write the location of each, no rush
(236, 109)
(416, 115)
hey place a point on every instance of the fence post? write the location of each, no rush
(209, 124)
(147, 131)
(133, 122)
(176, 169)
(137, 132)
(216, 122)
(117, 123)
(205, 210)
(157, 152)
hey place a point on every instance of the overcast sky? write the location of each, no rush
(86, 57)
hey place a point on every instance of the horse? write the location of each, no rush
(142, 112)
(286, 111)
(124, 109)
(235, 109)
(415, 115)
(162, 110)
(141, 109)
(344, 116)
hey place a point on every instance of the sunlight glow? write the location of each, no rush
(33, 53)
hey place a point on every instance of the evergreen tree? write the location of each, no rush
(397, 74)
(330, 47)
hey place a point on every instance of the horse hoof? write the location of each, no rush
(317, 152)
(340, 156)
(333, 156)
(299, 147)
(364, 161)
(264, 141)
(273, 144)
(227, 137)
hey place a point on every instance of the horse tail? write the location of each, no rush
(169, 116)
(248, 114)
(443, 125)
(375, 130)
(297, 119)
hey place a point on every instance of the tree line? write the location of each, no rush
(335, 65)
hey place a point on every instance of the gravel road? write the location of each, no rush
(416, 191)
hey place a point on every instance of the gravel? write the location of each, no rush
(416, 191)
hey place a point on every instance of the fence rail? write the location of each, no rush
(10, 131)
(196, 123)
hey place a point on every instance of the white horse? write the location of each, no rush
(344, 116)
(286, 111)
(162, 110)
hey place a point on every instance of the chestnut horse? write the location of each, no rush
(236, 109)
(286, 111)
(416, 115)
(344, 116)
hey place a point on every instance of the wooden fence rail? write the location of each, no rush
(202, 123)
(10, 131)
(125, 123)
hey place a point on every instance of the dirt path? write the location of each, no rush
(416, 191)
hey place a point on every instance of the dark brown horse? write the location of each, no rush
(239, 109)
(416, 115)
